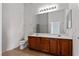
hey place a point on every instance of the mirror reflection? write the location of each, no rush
(52, 22)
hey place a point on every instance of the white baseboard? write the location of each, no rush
(10, 49)
(0, 53)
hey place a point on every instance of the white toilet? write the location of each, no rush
(22, 44)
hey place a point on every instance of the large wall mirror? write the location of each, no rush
(52, 22)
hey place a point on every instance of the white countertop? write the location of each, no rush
(50, 35)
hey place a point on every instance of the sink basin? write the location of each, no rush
(59, 35)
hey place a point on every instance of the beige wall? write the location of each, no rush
(75, 27)
(0, 28)
(29, 19)
(13, 17)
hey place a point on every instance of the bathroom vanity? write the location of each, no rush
(52, 33)
(52, 44)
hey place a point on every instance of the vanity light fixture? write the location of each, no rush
(47, 9)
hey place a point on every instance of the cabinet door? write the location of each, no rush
(65, 46)
(53, 46)
(34, 42)
(44, 44)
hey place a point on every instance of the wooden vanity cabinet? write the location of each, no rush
(44, 44)
(54, 46)
(65, 47)
(61, 47)
(34, 43)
